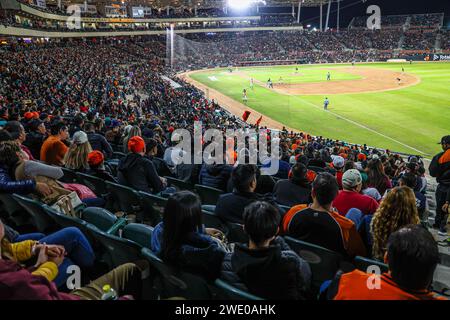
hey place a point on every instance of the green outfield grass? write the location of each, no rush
(410, 120)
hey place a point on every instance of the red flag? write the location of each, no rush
(246, 115)
(258, 121)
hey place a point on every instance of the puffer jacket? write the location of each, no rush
(199, 254)
(215, 175)
(7, 185)
(440, 168)
(275, 272)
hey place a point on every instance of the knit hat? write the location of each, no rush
(362, 157)
(95, 158)
(351, 178)
(338, 162)
(28, 115)
(79, 137)
(136, 144)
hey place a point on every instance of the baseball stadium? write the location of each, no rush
(224, 150)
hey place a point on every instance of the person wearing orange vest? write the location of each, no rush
(412, 255)
(320, 224)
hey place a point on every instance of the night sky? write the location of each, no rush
(388, 7)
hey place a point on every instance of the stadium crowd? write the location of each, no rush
(105, 111)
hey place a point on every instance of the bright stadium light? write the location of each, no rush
(243, 4)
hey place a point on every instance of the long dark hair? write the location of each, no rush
(376, 176)
(182, 215)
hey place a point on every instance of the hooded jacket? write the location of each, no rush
(215, 175)
(139, 173)
(199, 254)
(275, 272)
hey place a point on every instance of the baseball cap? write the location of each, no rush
(351, 178)
(136, 144)
(95, 158)
(338, 162)
(79, 137)
(445, 140)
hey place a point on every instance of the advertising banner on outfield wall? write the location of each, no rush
(439, 57)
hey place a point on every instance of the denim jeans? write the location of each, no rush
(356, 216)
(78, 249)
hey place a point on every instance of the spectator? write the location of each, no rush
(230, 206)
(440, 169)
(76, 157)
(129, 132)
(376, 176)
(54, 149)
(215, 175)
(410, 180)
(137, 171)
(19, 283)
(266, 266)
(18, 134)
(338, 165)
(97, 141)
(35, 137)
(96, 161)
(350, 197)
(397, 210)
(318, 223)
(181, 239)
(412, 255)
(296, 189)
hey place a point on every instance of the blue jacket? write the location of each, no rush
(215, 175)
(7, 185)
(200, 254)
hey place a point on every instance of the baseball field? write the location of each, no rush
(378, 104)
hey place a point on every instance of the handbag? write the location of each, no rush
(82, 191)
(66, 204)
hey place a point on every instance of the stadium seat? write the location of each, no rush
(125, 198)
(208, 195)
(236, 233)
(13, 210)
(161, 167)
(40, 219)
(139, 233)
(99, 217)
(362, 264)
(97, 185)
(226, 291)
(117, 250)
(170, 282)
(324, 263)
(70, 176)
(211, 220)
(179, 184)
(152, 207)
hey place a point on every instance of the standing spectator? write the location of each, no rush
(397, 210)
(350, 197)
(409, 179)
(54, 149)
(266, 266)
(440, 169)
(97, 141)
(318, 223)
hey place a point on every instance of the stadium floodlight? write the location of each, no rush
(244, 4)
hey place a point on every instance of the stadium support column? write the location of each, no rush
(59, 4)
(328, 15)
(171, 46)
(293, 11)
(299, 10)
(321, 24)
(338, 8)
